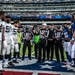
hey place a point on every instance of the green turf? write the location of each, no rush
(32, 50)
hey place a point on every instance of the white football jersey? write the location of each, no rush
(11, 29)
(2, 24)
(15, 30)
(15, 33)
(8, 30)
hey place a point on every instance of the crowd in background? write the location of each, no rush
(42, 15)
(33, 1)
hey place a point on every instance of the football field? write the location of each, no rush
(33, 53)
(32, 67)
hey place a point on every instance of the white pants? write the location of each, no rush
(67, 47)
(6, 47)
(12, 43)
(16, 47)
(73, 51)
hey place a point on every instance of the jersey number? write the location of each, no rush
(7, 29)
(15, 31)
(0, 28)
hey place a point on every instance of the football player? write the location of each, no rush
(73, 39)
(68, 46)
(16, 48)
(3, 45)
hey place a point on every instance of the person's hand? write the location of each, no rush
(57, 37)
(29, 38)
(42, 33)
(33, 31)
(68, 38)
(62, 43)
(3, 29)
(72, 42)
(51, 39)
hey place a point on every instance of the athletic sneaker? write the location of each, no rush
(69, 67)
(5, 64)
(1, 66)
(15, 61)
(11, 64)
(63, 66)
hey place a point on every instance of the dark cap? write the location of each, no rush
(58, 27)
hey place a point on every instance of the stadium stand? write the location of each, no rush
(33, 1)
(51, 10)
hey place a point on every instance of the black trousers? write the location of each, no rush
(50, 49)
(42, 47)
(36, 47)
(26, 44)
(59, 47)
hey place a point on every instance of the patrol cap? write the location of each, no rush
(44, 24)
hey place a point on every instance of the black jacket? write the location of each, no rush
(51, 36)
(27, 36)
